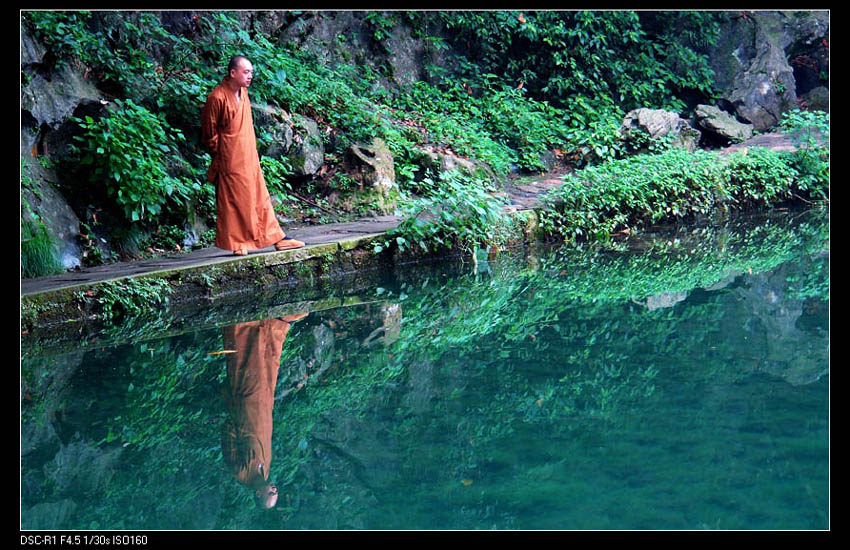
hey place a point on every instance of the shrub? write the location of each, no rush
(811, 134)
(759, 176)
(132, 297)
(128, 151)
(598, 200)
(456, 211)
(671, 184)
(38, 254)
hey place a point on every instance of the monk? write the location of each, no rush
(245, 217)
(249, 396)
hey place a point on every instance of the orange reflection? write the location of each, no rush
(249, 395)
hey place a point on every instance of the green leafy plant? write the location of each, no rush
(380, 23)
(759, 176)
(810, 130)
(132, 297)
(128, 151)
(277, 173)
(168, 237)
(65, 32)
(455, 212)
(597, 201)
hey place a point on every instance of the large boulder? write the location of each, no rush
(52, 208)
(32, 51)
(722, 124)
(657, 123)
(48, 515)
(349, 38)
(663, 300)
(80, 466)
(438, 160)
(765, 89)
(816, 98)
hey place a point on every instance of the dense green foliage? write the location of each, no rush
(638, 59)
(131, 297)
(675, 184)
(811, 134)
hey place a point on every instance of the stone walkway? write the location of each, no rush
(312, 236)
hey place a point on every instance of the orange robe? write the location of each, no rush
(249, 396)
(245, 217)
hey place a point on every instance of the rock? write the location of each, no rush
(82, 467)
(439, 161)
(308, 152)
(48, 389)
(52, 208)
(32, 52)
(52, 101)
(817, 99)
(278, 124)
(374, 162)
(48, 515)
(765, 90)
(664, 300)
(194, 225)
(346, 38)
(722, 123)
(657, 123)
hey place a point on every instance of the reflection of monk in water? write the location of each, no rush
(249, 395)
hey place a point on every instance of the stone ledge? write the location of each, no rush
(211, 274)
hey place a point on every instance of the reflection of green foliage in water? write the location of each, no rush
(554, 346)
(516, 302)
(492, 335)
(169, 420)
(813, 282)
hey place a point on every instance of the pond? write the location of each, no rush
(678, 380)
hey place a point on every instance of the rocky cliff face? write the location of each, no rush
(767, 63)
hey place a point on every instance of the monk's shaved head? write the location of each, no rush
(240, 72)
(234, 62)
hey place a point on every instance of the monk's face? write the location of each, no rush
(267, 496)
(243, 74)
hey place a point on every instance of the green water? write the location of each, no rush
(679, 381)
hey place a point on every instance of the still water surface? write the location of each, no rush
(681, 382)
